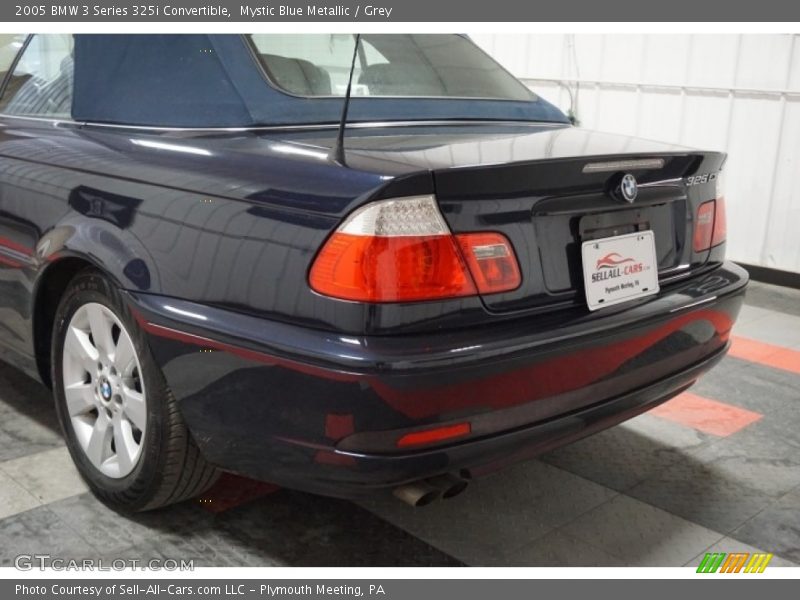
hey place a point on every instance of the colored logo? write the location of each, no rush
(736, 562)
(105, 389)
(611, 260)
(628, 188)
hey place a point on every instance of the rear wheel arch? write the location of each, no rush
(50, 287)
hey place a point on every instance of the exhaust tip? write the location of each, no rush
(417, 494)
(450, 485)
(429, 498)
(455, 490)
(424, 492)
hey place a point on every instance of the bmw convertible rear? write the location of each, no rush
(445, 298)
(508, 309)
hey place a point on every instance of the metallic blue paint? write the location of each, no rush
(322, 411)
(211, 234)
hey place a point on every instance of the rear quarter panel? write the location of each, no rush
(172, 217)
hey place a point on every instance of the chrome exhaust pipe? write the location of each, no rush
(417, 493)
(450, 485)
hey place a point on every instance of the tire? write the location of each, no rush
(119, 399)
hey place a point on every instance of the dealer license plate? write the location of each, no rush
(619, 269)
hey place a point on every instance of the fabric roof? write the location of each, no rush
(215, 81)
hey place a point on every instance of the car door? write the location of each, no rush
(36, 93)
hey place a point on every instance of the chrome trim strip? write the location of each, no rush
(676, 269)
(52, 120)
(309, 127)
(693, 304)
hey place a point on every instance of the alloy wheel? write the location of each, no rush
(104, 390)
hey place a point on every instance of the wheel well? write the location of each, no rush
(51, 289)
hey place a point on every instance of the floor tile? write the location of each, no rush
(769, 355)
(49, 476)
(773, 298)
(783, 424)
(498, 514)
(40, 531)
(142, 554)
(751, 386)
(14, 498)
(214, 548)
(776, 328)
(755, 459)
(706, 415)
(704, 492)
(750, 313)
(110, 531)
(14, 540)
(776, 529)
(640, 534)
(21, 435)
(627, 454)
(303, 530)
(557, 549)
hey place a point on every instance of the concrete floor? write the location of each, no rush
(716, 469)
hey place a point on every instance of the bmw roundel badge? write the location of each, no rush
(628, 188)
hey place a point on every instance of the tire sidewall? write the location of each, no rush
(92, 287)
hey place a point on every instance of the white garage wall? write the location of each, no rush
(737, 93)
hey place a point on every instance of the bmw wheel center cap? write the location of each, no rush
(105, 389)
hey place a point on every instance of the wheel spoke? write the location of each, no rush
(80, 398)
(104, 392)
(98, 442)
(78, 345)
(101, 331)
(124, 355)
(124, 445)
(135, 407)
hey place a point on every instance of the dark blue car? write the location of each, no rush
(338, 263)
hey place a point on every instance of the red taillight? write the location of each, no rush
(710, 226)
(720, 223)
(704, 227)
(491, 261)
(402, 251)
(390, 269)
(431, 436)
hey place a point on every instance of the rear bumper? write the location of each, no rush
(322, 412)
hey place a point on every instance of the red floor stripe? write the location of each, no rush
(708, 416)
(766, 354)
(232, 491)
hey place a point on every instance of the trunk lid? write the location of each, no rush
(547, 208)
(529, 182)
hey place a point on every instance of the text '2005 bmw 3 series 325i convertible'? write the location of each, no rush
(339, 263)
